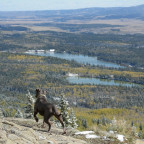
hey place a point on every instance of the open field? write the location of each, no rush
(124, 26)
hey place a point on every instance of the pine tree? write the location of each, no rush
(1, 113)
(98, 122)
(103, 121)
(132, 123)
(140, 127)
(64, 107)
(29, 108)
(73, 119)
(18, 114)
(84, 123)
(94, 120)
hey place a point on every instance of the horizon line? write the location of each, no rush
(68, 9)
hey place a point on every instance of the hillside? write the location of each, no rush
(116, 20)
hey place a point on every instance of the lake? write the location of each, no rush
(86, 60)
(78, 58)
(96, 81)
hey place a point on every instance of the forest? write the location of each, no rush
(19, 72)
(121, 49)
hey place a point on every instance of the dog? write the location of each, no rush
(47, 110)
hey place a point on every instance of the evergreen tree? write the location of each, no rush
(94, 120)
(103, 121)
(18, 114)
(140, 127)
(84, 123)
(73, 119)
(1, 113)
(98, 122)
(132, 123)
(29, 108)
(7, 114)
(64, 107)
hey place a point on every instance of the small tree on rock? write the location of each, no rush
(1, 113)
(29, 108)
(64, 107)
(18, 114)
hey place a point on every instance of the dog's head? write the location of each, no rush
(37, 93)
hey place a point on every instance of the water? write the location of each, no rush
(79, 58)
(96, 81)
(87, 60)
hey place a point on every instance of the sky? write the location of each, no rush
(29, 5)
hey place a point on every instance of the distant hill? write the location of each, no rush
(135, 12)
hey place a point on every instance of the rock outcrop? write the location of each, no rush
(26, 131)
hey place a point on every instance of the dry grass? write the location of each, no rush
(44, 28)
(129, 26)
(117, 127)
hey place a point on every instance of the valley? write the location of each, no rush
(105, 45)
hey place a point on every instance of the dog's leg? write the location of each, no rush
(43, 126)
(59, 117)
(36, 118)
(46, 120)
(49, 125)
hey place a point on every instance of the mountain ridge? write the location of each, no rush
(107, 13)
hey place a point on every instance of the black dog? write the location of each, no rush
(46, 109)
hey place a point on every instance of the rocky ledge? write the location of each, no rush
(26, 131)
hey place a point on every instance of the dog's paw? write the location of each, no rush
(64, 133)
(43, 126)
(36, 119)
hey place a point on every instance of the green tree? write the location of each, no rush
(1, 113)
(18, 114)
(73, 119)
(29, 108)
(84, 123)
(64, 107)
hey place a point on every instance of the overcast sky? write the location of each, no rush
(24, 5)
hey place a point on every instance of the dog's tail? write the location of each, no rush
(60, 114)
(55, 111)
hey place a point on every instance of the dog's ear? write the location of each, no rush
(37, 90)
